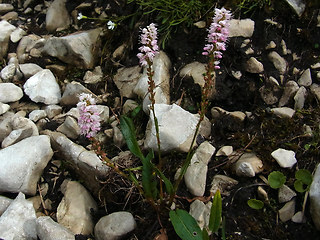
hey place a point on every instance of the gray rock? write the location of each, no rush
(19, 220)
(17, 34)
(25, 45)
(161, 77)
(4, 204)
(200, 212)
(126, 79)
(290, 90)
(4, 108)
(300, 98)
(305, 79)
(9, 92)
(74, 210)
(47, 229)
(70, 128)
(299, 217)
(314, 194)
(285, 194)
(196, 174)
(86, 164)
(224, 151)
(241, 28)
(93, 77)
(297, 5)
(79, 49)
(5, 7)
(254, 66)
(52, 110)
(57, 16)
(118, 138)
(269, 94)
(8, 72)
(5, 30)
(271, 45)
(279, 62)
(283, 112)
(35, 115)
(43, 87)
(114, 226)
(285, 158)
(19, 122)
(176, 127)
(315, 89)
(5, 125)
(16, 136)
(247, 165)
(194, 70)
(222, 183)
(29, 69)
(21, 168)
(287, 211)
(71, 93)
(129, 105)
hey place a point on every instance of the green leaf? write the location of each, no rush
(129, 134)
(185, 225)
(300, 187)
(148, 181)
(205, 235)
(304, 176)
(255, 204)
(216, 211)
(136, 111)
(167, 183)
(276, 179)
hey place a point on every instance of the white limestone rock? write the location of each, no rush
(29, 69)
(71, 93)
(285, 158)
(300, 98)
(22, 166)
(161, 67)
(5, 30)
(4, 108)
(283, 112)
(279, 62)
(176, 127)
(70, 128)
(19, 220)
(254, 66)
(305, 79)
(52, 110)
(290, 90)
(35, 115)
(4, 204)
(17, 34)
(315, 89)
(114, 226)
(43, 87)
(285, 194)
(8, 72)
(74, 210)
(196, 174)
(200, 212)
(287, 211)
(194, 70)
(224, 151)
(314, 194)
(16, 136)
(9, 92)
(222, 183)
(297, 5)
(48, 229)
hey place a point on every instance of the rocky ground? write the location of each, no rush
(263, 118)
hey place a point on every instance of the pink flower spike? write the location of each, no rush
(149, 48)
(89, 119)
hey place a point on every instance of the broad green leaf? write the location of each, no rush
(136, 111)
(129, 134)
(304, 176)
(276, 179)
(300, 187)
(166, 181)
(216, 211)
(185, 225)
(255, 204)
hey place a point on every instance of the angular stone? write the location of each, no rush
(16, 136)
(248, 165)
(287, 211)
(19, 220)
(283, 112)
(74, 210)
(300, 98)
(126, 79)
(70, 128)
(43, 87)
(279, 62)
(79, 49)
(285, 158)
(4, 204)
(290, 90)
(305, 79)
(222, 183)
(200, 212)
(5, 30)
(4, 108)
(21, 167)
(93, 77)
(52, 110)
(29, 69)
(285, 194)
(71, 93)
(35, 115)
(297, 5)
(194, 70)
(225, 151)
(17, 34)
(315, 89)
(47, 229)
(5, 7)
(254, 66)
